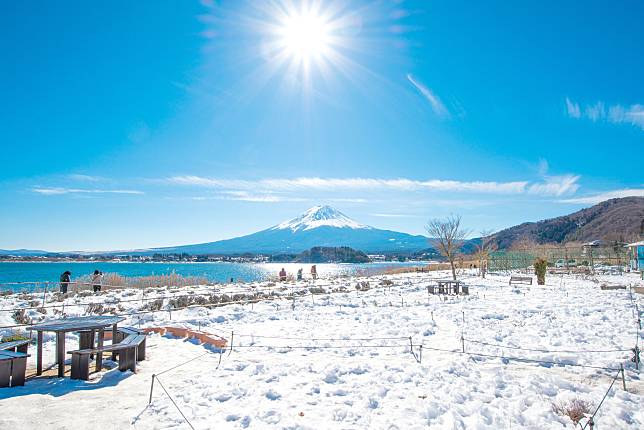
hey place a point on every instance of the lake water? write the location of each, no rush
(15, 275)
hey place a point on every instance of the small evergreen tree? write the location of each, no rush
(540, 267)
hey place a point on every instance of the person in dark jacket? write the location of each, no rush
(65, 279)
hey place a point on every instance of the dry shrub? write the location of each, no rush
(200, 300)
(386, 282)
(21, 317)
(115, 280)
(574, 409)
(95, 309)
(153, 305)
(180, 302)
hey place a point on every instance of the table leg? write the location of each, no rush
(114, 334)
(99, 355)
(60, 353)
(93, 342)
(39, 357)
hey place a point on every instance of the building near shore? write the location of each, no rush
(636, 255)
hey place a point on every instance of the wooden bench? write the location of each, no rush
(127, 356)
(123, 333)
(521, 280)
(12, 368)
(15, 346)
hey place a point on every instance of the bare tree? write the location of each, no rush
(483, 250)
(447, 236)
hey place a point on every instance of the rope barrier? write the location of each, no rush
(520, 359)
(578, 351)
(175, 404)
(591, 419)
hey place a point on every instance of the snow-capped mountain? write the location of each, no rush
(319, 216)
(318, 226)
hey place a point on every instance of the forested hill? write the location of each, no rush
(616, 219)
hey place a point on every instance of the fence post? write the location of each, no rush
(44, 295)
(420, 354)
(151, 389)
(621, 367)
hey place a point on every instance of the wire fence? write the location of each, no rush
(357, 342)
(407, 347)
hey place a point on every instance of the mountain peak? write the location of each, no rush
(320, 216)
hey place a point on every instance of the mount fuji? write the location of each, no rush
(318, 226)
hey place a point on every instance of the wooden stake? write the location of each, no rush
(621, 366)
(151, 388)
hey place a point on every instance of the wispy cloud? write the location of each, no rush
(553, 185)
(387, 215)
(598, 198)
(85, 178)
(614, 114)
(60, 191)
(436, 103)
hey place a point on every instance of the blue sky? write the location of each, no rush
(137, 124)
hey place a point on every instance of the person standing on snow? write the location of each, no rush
(65, 279)
(97, 280)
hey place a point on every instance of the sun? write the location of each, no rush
(304, 36)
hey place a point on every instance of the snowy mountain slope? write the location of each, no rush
(319, 216)
(318, 226)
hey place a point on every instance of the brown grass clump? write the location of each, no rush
(115, 280)
(574, 409)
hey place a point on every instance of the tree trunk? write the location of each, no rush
(451, 262)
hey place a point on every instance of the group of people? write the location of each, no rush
(66, 279)
(314, 273)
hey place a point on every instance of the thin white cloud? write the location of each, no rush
(85, 178)
(598, 198)
(436, 103)
(60, 191)
(555, 186)
(572, 109)
(552, 185)
(387, 215)
(245, 196)
(614, 114)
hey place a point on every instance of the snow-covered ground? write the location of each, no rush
(343, 360)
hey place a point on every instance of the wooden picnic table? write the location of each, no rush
(76, 324)
(448, 286)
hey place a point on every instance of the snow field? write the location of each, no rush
(274, 378)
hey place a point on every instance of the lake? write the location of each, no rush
(11, 274)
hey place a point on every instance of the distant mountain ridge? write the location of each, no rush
(320, 226)
(323, 226)
(616, 219)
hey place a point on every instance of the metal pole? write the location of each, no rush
(151, 388)
(621, 366)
